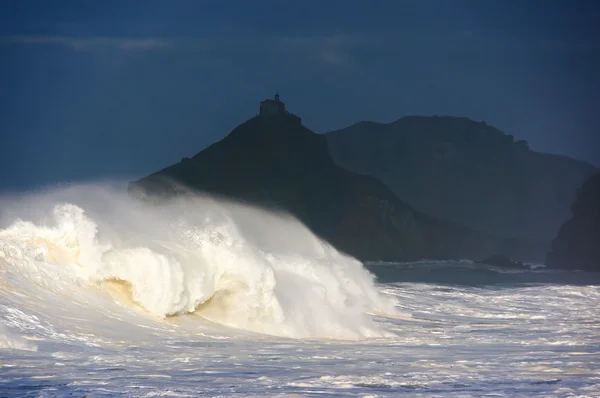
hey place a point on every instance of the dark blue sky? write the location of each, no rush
(112, 88)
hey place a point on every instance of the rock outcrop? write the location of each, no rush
(577, 245)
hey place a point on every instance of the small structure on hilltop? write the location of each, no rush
(272, 106)
(275, 107)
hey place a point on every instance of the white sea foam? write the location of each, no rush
(232, 264)
(10, 340)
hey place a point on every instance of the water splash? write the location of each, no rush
(231, 264)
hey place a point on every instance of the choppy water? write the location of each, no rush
(100, 296)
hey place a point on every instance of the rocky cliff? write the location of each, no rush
(577, 245)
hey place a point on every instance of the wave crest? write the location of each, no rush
(239, 266)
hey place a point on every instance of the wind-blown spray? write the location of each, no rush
(232, 264)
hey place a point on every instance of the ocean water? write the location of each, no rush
(101, 295)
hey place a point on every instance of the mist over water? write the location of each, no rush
(101, 294)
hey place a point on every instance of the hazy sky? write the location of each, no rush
(123, 88)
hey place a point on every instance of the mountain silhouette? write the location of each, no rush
(273, 161)
(465, 171)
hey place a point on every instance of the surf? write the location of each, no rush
(92, 246)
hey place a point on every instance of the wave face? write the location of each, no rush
(241, 267)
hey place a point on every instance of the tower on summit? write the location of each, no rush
(272, 106)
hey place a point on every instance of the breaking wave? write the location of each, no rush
(231, 264)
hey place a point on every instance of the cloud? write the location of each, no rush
(89, 43)
(334, 50)
(507, 42)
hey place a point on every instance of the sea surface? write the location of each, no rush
(101, 295)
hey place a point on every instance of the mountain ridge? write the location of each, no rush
(374, 123)
(276, 162)
(475, 174)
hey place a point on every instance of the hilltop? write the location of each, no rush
(465, 171)
(273, 161)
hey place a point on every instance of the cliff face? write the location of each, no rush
(278, 163)
(577, 245)
(466, 172)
